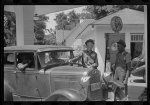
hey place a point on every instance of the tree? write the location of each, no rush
(9, 28)
(73, 18)
(99, 11)
(40, 23)
(135, 7)
(61, 21)
(39, 27)
(66, 21)
(96, 11)
(52, 40)
(86, 16)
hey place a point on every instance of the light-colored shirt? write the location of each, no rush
(87, 58)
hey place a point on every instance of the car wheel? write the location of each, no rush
(62, 98)
(7, 94)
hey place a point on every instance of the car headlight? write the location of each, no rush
(85, 79)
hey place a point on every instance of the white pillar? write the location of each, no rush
(24, 24)
(100, 53)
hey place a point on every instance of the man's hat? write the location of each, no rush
(121, 42)
(90, 40)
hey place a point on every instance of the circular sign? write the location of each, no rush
(116, 24)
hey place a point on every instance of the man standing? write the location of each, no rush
(122, 67)
(87, 57)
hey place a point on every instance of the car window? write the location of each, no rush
(26, 58)
(9, 59)
(64, 55)
(46, 58)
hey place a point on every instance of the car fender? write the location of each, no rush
(70, 94)
(8, 96)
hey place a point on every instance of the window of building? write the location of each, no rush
(136, 44)
(137, 37)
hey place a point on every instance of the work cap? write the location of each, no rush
(121, 42)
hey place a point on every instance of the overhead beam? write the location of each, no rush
(45, 9)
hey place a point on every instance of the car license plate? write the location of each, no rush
(95, 86)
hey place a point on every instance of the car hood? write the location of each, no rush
(69, 70)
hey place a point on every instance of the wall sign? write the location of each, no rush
(116, 24)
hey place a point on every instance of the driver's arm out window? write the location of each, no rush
(29, 57)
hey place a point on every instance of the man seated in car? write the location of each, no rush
(25, 62)
(55, 58)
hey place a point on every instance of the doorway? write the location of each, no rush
(136, 49)
(111, 49)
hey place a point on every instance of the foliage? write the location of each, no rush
(9, 28)
(39, 26)
(135, 7)
(94, 12)
(86, 16)
(61, 21)
(66, 21)
(52, 37)
(99, 11)
(39, 34)
(40, 23)
(73, 18)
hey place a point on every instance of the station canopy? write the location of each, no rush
(45, 9)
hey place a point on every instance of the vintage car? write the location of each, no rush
(47, 81)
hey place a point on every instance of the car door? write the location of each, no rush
(36, 82)
(11, 74)
(28, 75)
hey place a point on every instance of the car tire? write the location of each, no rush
(7, 94)
(62, 98)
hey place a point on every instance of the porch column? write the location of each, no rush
(100, 51)
(24, 24)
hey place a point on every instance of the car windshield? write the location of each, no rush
(53, 57)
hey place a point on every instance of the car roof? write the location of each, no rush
(37, 48)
